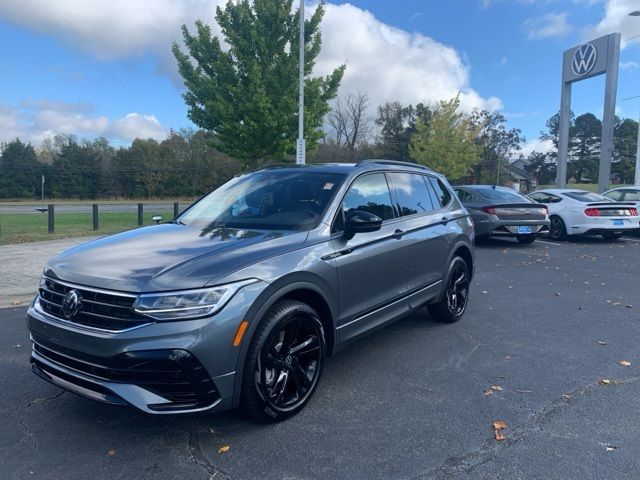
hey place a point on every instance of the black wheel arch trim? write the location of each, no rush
(272, 294)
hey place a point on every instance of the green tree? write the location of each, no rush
(584, 148)
(19, 170)
(624, 151)
(397, 124)
(247, 94)
(541, 167)
(497, 143)
(447, 143)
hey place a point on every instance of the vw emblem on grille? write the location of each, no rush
(71, 304)
(584, 59)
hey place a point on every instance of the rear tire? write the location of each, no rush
(284, 362)
(455, 297)
(557, 229)
(612, 236)
(526, 239)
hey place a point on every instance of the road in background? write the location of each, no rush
(411, 401)
(86, 207)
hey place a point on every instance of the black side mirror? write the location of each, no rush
(357, 221)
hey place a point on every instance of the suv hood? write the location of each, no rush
(169, 257)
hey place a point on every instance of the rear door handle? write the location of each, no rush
(398, 233)
(445, 220)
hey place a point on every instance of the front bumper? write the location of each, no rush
(161, 368)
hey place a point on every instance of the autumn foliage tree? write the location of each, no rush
(447, 143)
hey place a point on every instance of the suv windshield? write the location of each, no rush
(499, 193)
(268, 199)
(586, 196)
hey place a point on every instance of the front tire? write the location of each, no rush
(284, 362)
(455, 297)
(557, 229)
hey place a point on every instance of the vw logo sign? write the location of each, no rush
(584, 59)
(71, 304)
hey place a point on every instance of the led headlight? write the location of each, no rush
(185, 304)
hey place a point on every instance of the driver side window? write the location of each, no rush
(369, 193)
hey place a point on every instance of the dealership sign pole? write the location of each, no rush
(596, 57)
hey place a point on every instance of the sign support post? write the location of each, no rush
(597, 57)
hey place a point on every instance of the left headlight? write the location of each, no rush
(187, 304)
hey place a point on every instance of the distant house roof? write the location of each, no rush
(517, 169)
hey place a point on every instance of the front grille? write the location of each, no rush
(173, 374)
(107, 311)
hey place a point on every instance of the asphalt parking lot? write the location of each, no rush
(545, 323)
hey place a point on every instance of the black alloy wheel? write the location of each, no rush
(557, 229)
(455, 298)
(284, 362)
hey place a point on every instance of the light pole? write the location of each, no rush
(636, 13)
(300, 144)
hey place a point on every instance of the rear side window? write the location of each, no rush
(615, 195)
(632, 196)
(370, 193)
(463, 195)
(442, 194)
(412, 196)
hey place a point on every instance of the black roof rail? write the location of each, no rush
(391, 162)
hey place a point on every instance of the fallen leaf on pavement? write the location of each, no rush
(17, 345)
(499, 424)
(557, 294)
(611, 448)
(523, 391)
(488, 391)
(566, 395)
(497, 388)
(602, 342)
(499, 436)
(625, 363)
(604, 381)
(629, 306)
(484, 291)
(111, 453)
(224, 449)
(616, 303)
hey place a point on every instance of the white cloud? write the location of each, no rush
(630, 65)
(391, 64)
(385, 62)
(551, 25)
(136, 125)
(536, 145)
(616, 19)
(35, 119)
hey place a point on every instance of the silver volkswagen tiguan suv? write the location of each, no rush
(238, 300)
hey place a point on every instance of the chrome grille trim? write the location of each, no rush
(107, 311)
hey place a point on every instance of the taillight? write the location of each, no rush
(592, 212)
(490, 210)
(634, 212)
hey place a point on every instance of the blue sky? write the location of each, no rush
(104, 67)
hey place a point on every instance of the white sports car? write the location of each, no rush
(578, 212)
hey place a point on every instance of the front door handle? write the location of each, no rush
(445, 220)
(398, 233)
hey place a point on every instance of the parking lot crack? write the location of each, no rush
(463, 465)
(198, 457)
